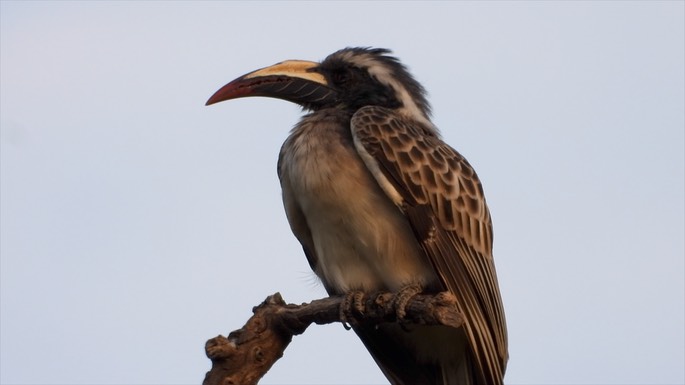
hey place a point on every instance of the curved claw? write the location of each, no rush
(402, 298)
(352, 304)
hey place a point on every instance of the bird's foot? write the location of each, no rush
(402, 298)
(352, 305)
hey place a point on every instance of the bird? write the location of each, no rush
(379, 201)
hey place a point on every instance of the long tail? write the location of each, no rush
(424, 355)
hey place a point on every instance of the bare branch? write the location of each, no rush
(248, 353)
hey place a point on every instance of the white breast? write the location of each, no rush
(360, 238)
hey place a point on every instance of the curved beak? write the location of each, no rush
(296, 81)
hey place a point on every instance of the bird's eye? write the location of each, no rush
(340, 77)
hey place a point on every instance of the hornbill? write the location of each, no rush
(379, 202)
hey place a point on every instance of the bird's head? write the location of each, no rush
(348, 79)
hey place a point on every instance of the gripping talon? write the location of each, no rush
(402, 298)
(353, 302)
(358, 302)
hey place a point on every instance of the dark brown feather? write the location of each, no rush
(445, 205)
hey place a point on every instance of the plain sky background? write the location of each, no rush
(136, 223)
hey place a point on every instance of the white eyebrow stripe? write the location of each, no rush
(385, 76)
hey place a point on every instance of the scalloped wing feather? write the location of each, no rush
(443, 200)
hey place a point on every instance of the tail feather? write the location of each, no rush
(423, 355)
(458, 375)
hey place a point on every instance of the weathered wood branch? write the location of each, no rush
(248, 353)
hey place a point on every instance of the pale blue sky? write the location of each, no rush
(136, 223)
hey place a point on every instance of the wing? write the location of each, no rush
(443, 200)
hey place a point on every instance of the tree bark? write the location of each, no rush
(248, 353)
